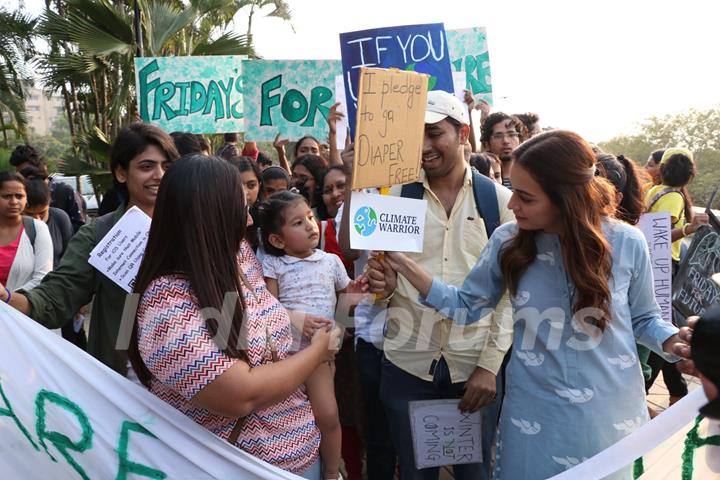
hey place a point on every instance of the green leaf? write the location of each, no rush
(162, 21)
(226, 44)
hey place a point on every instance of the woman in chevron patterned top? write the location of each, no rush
(225, 364)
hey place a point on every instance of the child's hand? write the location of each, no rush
(313, 323)
(328, 343)
(358, 286)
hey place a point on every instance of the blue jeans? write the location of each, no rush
(398, 388)
(313, 472)
(381, 457)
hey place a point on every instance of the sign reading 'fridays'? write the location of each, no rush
(191, 94)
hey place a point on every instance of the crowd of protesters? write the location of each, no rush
(328, 345)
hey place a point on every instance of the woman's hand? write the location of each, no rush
(326, 342)
(698, 220)
(279, 143)
(484, 108)
(681, 347)
(3, 293)
(333, 117)
(469, 100)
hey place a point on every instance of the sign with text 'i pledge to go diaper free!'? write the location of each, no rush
(418, 48)
(386, 223)
(291, 97)
(191, 94)
(389, 133)
(469, 54)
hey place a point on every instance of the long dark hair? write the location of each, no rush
(247, 164)
(197, 228)
(562, 163)
(677, 172)
(625, 176)
(316, 167)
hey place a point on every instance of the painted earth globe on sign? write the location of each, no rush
(365, 221)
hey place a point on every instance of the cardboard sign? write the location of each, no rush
(386, 223)
(191, 94)
(419, 48)
(119, 253)
(389, 136)
(442, 435)
(290, 97)
(469, 53)
(694, 291)
(656, 228)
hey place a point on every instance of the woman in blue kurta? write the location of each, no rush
(582, 294)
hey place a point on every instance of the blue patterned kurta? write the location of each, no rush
(569, 395)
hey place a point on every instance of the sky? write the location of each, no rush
(595, 67)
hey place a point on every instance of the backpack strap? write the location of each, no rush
(486, 201)
(661, 194)
(414, 190)
(29, 226)
(484, 194)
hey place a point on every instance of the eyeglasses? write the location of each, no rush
(502, 135)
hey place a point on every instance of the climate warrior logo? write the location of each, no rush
(365, 221)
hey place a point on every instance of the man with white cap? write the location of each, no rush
(427, 356)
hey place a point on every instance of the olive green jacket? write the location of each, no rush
(72, 285)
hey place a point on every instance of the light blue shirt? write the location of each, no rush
(571, 389)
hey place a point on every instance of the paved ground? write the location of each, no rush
(658, 399)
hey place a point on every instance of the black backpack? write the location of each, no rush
(29, 226)
(485, 199)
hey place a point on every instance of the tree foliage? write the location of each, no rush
(16, 49)
(697, 130)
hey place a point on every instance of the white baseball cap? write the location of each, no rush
(441, 105)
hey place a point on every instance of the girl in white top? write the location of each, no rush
(22, 263)
(307, 281)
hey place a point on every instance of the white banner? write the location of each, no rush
(656, 228)
(386, 223)
(63, 414)
(640, 442)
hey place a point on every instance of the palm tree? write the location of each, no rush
(16, 49)
(91, 61)
(282, 10)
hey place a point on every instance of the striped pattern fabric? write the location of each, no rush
(179, 351)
